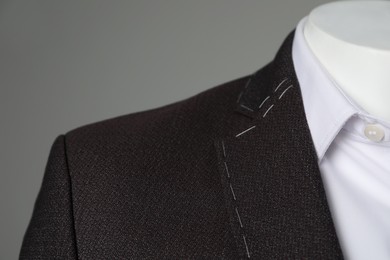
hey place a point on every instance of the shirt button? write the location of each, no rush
(374, 132)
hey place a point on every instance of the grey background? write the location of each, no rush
(64, 64)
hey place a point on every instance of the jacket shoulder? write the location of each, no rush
(204, 111)
(148, 180)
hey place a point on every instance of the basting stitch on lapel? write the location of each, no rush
(262, 103)
(246, 86)
(243, 106)
(239, 218)
(243, 132)
(223, 149)
(280, 84)
(227, 170)
(241, 169)
(285, 91)
(224, 156)
(231, 189)
(228, 175)
(266, 112)
(235, 199)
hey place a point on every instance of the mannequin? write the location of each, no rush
(351, 40)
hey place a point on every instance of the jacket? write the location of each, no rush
(230, 173)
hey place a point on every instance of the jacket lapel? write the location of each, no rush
(272, 185)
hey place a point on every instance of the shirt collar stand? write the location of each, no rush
(327, 108)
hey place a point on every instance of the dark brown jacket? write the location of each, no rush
(229, 173)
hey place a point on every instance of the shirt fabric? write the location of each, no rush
(355, 170)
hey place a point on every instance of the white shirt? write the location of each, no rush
(355, 170)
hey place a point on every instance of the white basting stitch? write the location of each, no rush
(249, 81)
(285, 91)
(246, 86)
(239, 97)
(234, 195)
(227, 170)
(239, 219)
(280, 84)
(243, 132)
(246, 108)
(268, 110)
(246, 246)
(262, 103)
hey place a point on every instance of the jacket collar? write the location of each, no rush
(268, 81)
(271, 181)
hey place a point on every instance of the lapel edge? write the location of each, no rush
(230, 199)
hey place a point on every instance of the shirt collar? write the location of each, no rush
(327, 108)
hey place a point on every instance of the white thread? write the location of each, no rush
(247, 108)
(246, 246)
(285, 91)
(280, 84)
(234, 195)
(239, 97)
(227, 170)
(223, 149)
(239, 219)
(262, 103)
(247, 83)
(243, 132)
(268, 110)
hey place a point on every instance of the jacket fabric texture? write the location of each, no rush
(230, 173)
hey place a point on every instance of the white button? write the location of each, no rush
(374, 132)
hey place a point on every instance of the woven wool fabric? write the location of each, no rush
(230, 173)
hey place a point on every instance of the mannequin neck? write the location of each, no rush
(352, 42)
